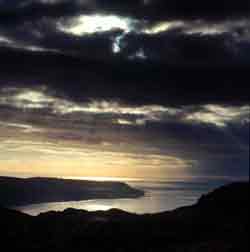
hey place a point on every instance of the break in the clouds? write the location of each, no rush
(34, 100)
(142, 88)
(127, 139)
(133, 30)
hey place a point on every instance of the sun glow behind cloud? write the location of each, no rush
(97, 116)
(55, 136)
(48, 151)
(88, 24)
(162, 27)
(92, 24)
(50, 159)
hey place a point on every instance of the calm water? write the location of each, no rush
(159, 196)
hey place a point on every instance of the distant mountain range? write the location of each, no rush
(219, 222)
(17, 191)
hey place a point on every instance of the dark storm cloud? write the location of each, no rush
(45, 35)
(179, 48)
(16, 12)
(148, 9)
(132, 82)
(172, 48)
(171, 75)
(47, 25)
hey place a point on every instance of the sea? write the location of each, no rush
(159, 196)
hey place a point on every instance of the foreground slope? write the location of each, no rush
(218, 222)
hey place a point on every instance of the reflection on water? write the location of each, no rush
(159, 196)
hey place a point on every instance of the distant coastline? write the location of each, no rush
(25, 191)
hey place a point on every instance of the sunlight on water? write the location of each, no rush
(159, 196)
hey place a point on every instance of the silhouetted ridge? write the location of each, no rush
(218, 222)
(227, 196)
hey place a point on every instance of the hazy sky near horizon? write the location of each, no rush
(143, 89)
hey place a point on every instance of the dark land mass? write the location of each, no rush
(17, 192)
(218, 222)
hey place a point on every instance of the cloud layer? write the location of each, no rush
(189, 140)
(103, 29)
(147, 87)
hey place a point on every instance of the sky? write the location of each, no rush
(149, 89)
